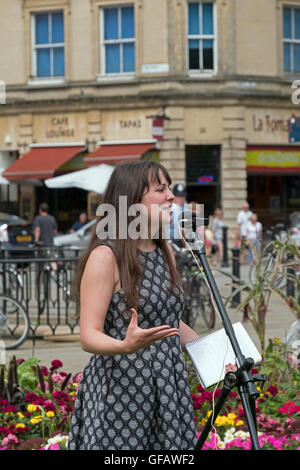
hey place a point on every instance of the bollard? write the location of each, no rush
(225, 263)
(290, 284)
(236, 299)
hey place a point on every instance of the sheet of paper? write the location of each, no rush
(212, 353)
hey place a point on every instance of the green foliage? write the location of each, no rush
(27, 373)
(271, 264)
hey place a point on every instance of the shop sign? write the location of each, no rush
(273, 159)
(59, 127)
(269, 124)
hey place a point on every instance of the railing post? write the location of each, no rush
(225, 263)
(290, 284)
(236, 299)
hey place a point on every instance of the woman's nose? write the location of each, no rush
(170, 195)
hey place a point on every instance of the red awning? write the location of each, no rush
(115, 153)
(41, 162)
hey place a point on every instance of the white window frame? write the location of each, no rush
(202, 73)
(121, 75)
(290, 41)
(51, 79)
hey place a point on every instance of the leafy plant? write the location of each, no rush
(269, 265)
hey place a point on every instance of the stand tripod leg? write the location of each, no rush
(249, 409)
(225, 391)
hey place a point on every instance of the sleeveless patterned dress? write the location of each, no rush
(139, 401)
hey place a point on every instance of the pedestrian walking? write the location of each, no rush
(45, 227)
(217, 225)
(134, 392)
(243, 218)
(254, 233)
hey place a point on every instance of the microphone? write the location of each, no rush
(191, 221)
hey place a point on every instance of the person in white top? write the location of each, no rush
(254, 232)
(243, 218)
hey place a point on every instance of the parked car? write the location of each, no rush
(294, 227)
(78, 239)
(16, 236)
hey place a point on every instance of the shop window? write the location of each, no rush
(201, 36)
(118, 40)
(48, 45)
(291, 39)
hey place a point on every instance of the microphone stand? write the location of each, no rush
(241, 378)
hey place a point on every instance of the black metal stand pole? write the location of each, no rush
(229, 382)
(246, 386)
(236, 299)
(225, 263)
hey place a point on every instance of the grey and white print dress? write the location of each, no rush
(139, 401)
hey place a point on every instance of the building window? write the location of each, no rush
(291, 39)
(118, 40)
(201, 36)
(48, 45)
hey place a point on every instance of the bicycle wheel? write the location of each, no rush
(14, 322)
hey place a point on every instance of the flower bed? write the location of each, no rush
(37, 404)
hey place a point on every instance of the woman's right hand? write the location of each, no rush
(138, 338)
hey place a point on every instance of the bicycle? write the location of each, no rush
(196, 292)
(14, 322)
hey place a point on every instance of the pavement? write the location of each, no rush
(68, 350)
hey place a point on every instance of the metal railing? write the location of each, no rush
(41, 282)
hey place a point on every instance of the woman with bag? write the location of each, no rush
(254, 232)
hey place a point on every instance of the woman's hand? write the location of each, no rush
(139, 338)
(230, 367)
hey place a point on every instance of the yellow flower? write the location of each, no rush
(31, 408)
(50, 414)
(277, 340)
(240, 422)
(20, 415)
(20, 425)
(72, 393)
(231, 416)
(36, 419)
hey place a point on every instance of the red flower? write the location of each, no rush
(289, 408)
(56, 364)
(273, 390)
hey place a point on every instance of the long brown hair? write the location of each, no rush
(129, 179)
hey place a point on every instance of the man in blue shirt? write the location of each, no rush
(178, 207)
(80, 223)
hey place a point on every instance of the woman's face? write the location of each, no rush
(158, 201)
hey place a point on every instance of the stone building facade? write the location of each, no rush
(93, 72)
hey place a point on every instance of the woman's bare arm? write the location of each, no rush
(97, 287)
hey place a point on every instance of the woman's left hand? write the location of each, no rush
(230, 367)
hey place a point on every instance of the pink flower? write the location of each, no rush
(289, 408)
(51, 447)
(10, 438)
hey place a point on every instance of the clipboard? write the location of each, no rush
(210, 354)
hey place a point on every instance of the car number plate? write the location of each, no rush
(23, 238)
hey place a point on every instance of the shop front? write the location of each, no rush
(273, 177)
(58, 143)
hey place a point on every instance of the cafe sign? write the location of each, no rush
(276, 159)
